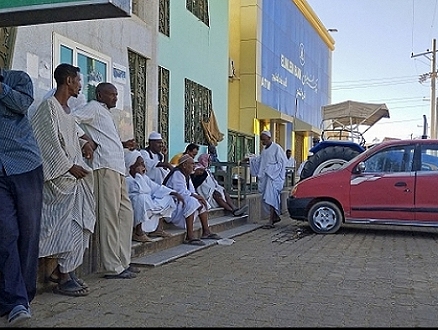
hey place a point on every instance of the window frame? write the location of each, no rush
(79, 49)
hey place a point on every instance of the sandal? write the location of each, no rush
(159, 233)
(277, 219)
(78, 280)
(141, 238)
(18, 314)
(73, 276)
(194, 241)
(240, 211)
(71, 288)
(211, 236)
(126, 274)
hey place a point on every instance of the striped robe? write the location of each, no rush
(65, 198)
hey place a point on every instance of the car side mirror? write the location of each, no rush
(360, 168)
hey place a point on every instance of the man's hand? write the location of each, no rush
(199, 171)
(130, 144)
(201, 200)
(78, 171)
(88, 150)
(167, 165)
(179, 198)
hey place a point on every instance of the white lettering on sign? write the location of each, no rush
(266, 83)
(290, 66)
(276, 78)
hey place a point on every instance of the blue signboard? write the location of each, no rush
(295, 63)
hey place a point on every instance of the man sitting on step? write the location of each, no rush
(150, 201)
(207, 186)
(195, 205)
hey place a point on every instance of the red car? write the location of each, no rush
(392, 183)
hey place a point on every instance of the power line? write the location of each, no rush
(377, 79)
(398, 121)
(374, 85)
(370, 83)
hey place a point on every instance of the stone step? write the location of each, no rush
(167, 255)
(218, 222)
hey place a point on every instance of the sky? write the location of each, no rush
(372, 60)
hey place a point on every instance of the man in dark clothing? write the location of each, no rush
(21, 193)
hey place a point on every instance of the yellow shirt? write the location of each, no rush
(175, 159)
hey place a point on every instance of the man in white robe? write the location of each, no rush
(270, 169)
(156, 166)
(68, 215)
(113, 207)
(194, 205)
(150, 200)
(207, 186)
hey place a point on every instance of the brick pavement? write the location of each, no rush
(285, 277)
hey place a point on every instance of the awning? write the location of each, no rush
(353, 114)
(301, 126)
(269, 114)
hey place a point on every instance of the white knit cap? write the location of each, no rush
(131, 158)
(184, 158)
(155, 136)
(267, 133)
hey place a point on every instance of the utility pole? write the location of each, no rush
(433, 101)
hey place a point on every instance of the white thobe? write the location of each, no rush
(208, 187)
(177, 182)
(150, 201)
(270, 169)
(96, 120)
(156, 173)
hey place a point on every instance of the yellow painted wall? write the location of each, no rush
(242, 89)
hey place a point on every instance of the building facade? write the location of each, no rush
(193, 74)
(280, 76)
(117, 50)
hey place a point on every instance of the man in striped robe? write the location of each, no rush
(68, 215)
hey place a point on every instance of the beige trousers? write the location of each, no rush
(114, 218)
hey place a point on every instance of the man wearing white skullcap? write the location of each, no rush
(267, 133)
(150, 200)
(270, 169)
(194, 204)
(155, 136)
(156, 166)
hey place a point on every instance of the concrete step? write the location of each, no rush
(218, 222)
(167, 255)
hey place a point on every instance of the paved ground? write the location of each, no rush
(285, 277)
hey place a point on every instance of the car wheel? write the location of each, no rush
(325, 218)
(327, 159)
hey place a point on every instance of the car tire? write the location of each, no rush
(325, 217)
(327, 159)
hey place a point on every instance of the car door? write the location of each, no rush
(426, 195)
(384, 191)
